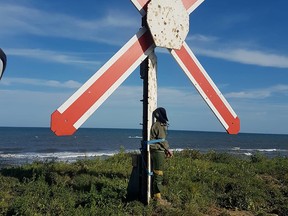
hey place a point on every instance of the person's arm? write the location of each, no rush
(165, 144)
(168, 153)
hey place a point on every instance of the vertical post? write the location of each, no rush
(143, 180)
(152, 105)
(149, 75)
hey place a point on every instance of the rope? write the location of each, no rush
(145, 166)
(153, 141)
(141, 149)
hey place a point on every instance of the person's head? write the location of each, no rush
(160, 115)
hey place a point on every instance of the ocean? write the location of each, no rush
(19, 146)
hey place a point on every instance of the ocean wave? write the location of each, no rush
(267, 150)
(259, 150)
(19, 158)
(64, 155)
(135, 137)
(59, 155)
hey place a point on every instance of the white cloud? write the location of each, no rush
(28, 108)
(201, 38)
(236, 51)
(259, 93)
(51, 56)
(246, 56)
(70, 84)
(21, 20)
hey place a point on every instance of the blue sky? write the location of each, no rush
(53, 47)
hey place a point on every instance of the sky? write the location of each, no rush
(54, 47)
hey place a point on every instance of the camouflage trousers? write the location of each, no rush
(158, 158)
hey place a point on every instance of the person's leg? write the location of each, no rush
(158, 158)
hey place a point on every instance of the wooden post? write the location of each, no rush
(148, 72)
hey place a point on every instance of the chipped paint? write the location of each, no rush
(168, 21)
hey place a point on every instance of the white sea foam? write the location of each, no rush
(135, 137)
(20, 158)
(58, 156)
(261, 150)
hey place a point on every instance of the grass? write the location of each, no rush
(195, 184)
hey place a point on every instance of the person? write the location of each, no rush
(159, 151)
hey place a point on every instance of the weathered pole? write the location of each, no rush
(148, 72)
(149, 75)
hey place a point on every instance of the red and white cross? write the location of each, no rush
(85, 101)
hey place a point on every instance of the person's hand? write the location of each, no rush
(168, 153)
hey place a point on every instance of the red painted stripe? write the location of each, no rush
(60, 125)
(85, 101)
(187, 3)
(143, 3)
(233, 123)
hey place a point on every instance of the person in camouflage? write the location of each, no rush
(159, 150)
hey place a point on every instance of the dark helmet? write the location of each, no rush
(160, 115)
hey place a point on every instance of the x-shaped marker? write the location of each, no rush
(84, 102)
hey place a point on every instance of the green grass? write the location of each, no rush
(195, 184)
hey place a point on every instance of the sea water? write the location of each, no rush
(25, 145)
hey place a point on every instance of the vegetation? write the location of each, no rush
(195, 184)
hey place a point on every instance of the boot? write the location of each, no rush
(159, 200)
